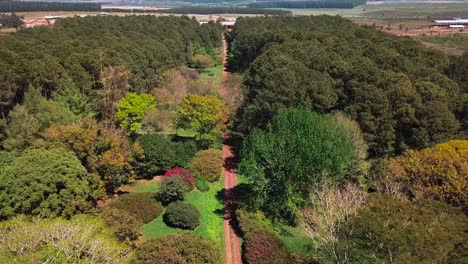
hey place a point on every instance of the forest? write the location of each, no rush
(24, 6)
(116, 133)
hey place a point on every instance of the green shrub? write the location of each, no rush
(172, 189)
(159, 154)
(185, 151)
(178, 248)
(251, 221)
(202, 185)
(143, 206)
(207, 164)
(127, 227)
(263, 247)
(182, 215)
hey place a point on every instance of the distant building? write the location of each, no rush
(228, 24)
(458, 23)
(103, 14)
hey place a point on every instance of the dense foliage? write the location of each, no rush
(207, 164)
(182, 215)
(104, 56)
(307, 4)
(126, 226)
(395, 88)
(31, 6)
(184, 174)
(439, 172)
(202, 184)
(83, 239)
(298, 151)
(178, 249)
(132, 108)
(142, 206)
(263, 247)
(388, 230)
(46, 183)
(172, 189)
(10, 21)
(101, 149)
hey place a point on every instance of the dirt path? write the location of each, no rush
(231, 239)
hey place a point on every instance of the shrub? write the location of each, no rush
(46, 183)
(159, 154)
(202, 185)
(251, 221)
(182, 215)
(178, 248)
(127, 227)
(437, 173)
(184, 174)
(263, 247)
(143, 206)
(422, 232)
(185, 151)
(172, 189)
(207, 164)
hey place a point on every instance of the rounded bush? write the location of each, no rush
(202, 185)
(178, 248)
(263, 247)
(172, 189)
(182, 215)
(207, 164)
(184, 174)
(126, 226)
(142, 206)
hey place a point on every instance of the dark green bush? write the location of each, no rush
(182, 215)
(185, 151)
(178, 248)
(263, 247)
(143, 206)
(159, 154)
(172, 189)
(207, 164)
(127, 227)
(202, 185)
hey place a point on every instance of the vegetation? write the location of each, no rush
(207, 164)
(263, 247)
(207, 10)
(81, 239)
(10, 21)
(184, 174)
(46, 183)
(142, 206)
(159, 154)
(126, 226)
(182, 215)
(307, 4)
(395, 88)
(178, 248)
(172, 189)
(132, 108)
(298, 151)
(202, 184)
(31, 6)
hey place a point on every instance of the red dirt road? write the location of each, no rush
(231, 239)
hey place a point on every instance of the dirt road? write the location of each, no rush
(231, 239)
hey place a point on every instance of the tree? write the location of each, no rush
(295, 153)
(32, 117)
(102, 150)
(81, 239)
(143, 206)
(114, 82)
(172, 189)
(263, 247)
(132, 108)
(206, 115)
(70, 96)
(207, 164)
(436, 173)
(392, 231)
(159, 154)
(127, 227)
(201, 61)
(182, 215)
(178, 249)
(46, 183)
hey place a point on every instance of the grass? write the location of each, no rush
(213, 74)
(211, 212)
(454, 44)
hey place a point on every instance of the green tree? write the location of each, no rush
(132, 108)
(46, 183)
(70, 95)
(172, 189)
(159, 154)
(297, 151)
(206, 115)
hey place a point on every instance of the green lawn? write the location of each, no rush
(211, 222)
(214, 74)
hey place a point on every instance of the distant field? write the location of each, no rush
(6, 31)
(452, 44)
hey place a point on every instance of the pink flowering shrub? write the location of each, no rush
(183, 173)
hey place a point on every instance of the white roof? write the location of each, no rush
(454, 21)
(228, 23)
(456, 26)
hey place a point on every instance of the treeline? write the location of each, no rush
(206, 10)
(10, 21)
(20, 6)
(307, 4)
(396, 89)
(97, 53)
